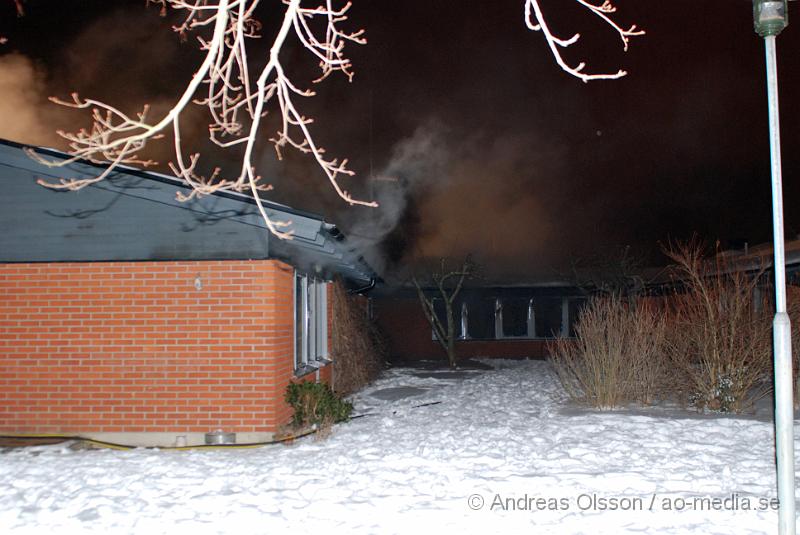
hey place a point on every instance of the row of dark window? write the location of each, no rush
(493, 318)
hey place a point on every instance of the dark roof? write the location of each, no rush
(135, 215)
(479, 289)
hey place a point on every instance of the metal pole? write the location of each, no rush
(782, 334)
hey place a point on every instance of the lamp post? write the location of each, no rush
(770, 18)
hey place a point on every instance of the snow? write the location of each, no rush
(503, 452)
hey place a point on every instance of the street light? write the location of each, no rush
(769, 19)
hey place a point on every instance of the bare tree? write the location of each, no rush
(237, 99)
(448, 284)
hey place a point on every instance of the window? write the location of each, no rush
(548, 316)
(515, 318)
(310, 321)
(486, 317)
(460, 316)
(575, 308)
(464, 324)
(480, 319)
(440, 311)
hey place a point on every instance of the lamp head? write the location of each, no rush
(770, 17)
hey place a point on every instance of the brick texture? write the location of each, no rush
(138, 347)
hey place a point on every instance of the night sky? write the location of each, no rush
(461, 124)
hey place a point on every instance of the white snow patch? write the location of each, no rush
(497, 441)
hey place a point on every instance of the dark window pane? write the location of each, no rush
(480, 322)
(515, 317)
(438, 308)
(575, 307)
(548, 316)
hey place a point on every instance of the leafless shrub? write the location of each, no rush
(617, 356)
(793, 309)
(719, 334)
(358, 348)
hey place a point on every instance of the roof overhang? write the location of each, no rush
(135, 215)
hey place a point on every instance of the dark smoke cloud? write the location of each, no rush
(415, 164)
(475, 194)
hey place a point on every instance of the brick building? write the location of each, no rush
(129, 316)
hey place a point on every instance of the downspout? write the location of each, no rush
(372, 282)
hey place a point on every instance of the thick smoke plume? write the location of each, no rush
(415, 164)
(474, 195)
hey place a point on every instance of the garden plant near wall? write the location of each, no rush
(720, 332)
(617, 357)
(707, 345)
(315, 405)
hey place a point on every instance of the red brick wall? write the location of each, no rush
(408, 334)
(135, 347)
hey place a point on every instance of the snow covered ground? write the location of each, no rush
(502, 453)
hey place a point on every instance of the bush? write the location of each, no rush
(617, 355)
(719, 336)
(316, 404)
(793, 297)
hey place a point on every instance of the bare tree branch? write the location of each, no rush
(535, 20)
(236, 100)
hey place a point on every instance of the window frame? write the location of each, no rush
(463, 307)
(310, 322)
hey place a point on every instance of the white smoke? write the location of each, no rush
(27, 115)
